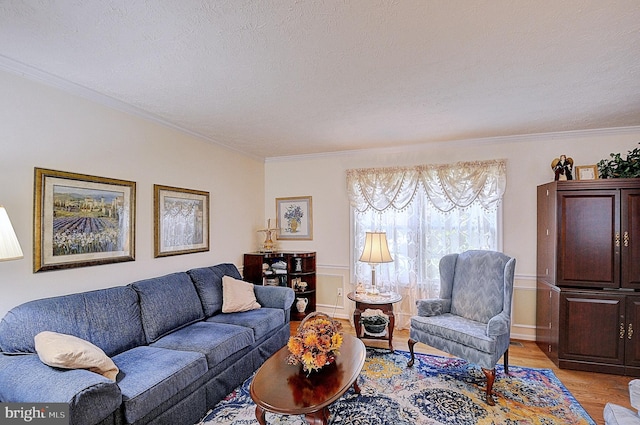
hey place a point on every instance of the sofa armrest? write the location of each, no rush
(433, 307)
(498, 325)
(91, 397)
(274, 296)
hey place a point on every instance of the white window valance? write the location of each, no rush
(447, 186)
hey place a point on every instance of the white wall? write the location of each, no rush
(528, 165)
(44, 127)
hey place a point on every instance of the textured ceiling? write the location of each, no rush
(290, 77)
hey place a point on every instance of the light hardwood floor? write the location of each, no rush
(592, 390)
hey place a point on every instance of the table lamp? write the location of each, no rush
(376, 250)
(9, 245)
(268, 245)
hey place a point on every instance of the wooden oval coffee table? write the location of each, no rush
(285, 389)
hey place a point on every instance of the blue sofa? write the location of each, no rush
(177, 353)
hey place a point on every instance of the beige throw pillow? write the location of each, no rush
(70, 352)
(237, 295)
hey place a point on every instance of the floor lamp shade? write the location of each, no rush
(9, 245)
(376, 250)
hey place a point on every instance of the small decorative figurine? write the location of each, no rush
(563, 168)
(268, 245)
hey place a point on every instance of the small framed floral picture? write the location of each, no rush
(294, 218)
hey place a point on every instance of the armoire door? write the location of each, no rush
(630, 238)
(588, 225)
(592, 327)
(632, 329)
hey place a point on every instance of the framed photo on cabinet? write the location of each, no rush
(180, 221)
(294, 218)
(82, 220)
(586, 172)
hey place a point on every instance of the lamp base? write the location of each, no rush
(374, 289)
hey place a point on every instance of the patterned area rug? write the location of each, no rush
(436, 390)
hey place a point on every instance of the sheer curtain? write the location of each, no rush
(427, 211)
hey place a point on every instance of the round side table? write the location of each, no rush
(382, 302)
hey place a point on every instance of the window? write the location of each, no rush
(419, 236)
(427, 212)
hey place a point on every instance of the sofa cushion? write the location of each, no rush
(237, 295)
(228, 269)
(91, 397)
(216, 341)
(167, 303)
(262, 321)
(70, 352)
(151, 376)
(87, 315)
(208, 283)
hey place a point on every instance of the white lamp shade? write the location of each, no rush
(376, 249)
(9, 245)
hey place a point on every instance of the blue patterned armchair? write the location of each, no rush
(472, 317)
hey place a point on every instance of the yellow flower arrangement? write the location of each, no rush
(316, 342)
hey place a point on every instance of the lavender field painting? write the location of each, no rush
(87, 221)
(82, 220)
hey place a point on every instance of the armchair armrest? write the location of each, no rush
(274, 296)
(498, 325)
(433, 307)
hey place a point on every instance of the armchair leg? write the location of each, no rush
(506, 361)
(411, 343)
(491, 376)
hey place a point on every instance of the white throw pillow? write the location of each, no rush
(237, 295)
(70, 352)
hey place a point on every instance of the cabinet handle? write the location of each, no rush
(621, 330)
(617, 238)
(630, 331)
(626, 238)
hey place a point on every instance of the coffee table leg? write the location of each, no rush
(320, 417)
(260, 415)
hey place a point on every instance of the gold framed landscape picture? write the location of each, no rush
(294, 218)
(181, 221)
(82, 220)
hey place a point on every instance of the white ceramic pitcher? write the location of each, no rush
(301, 304)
